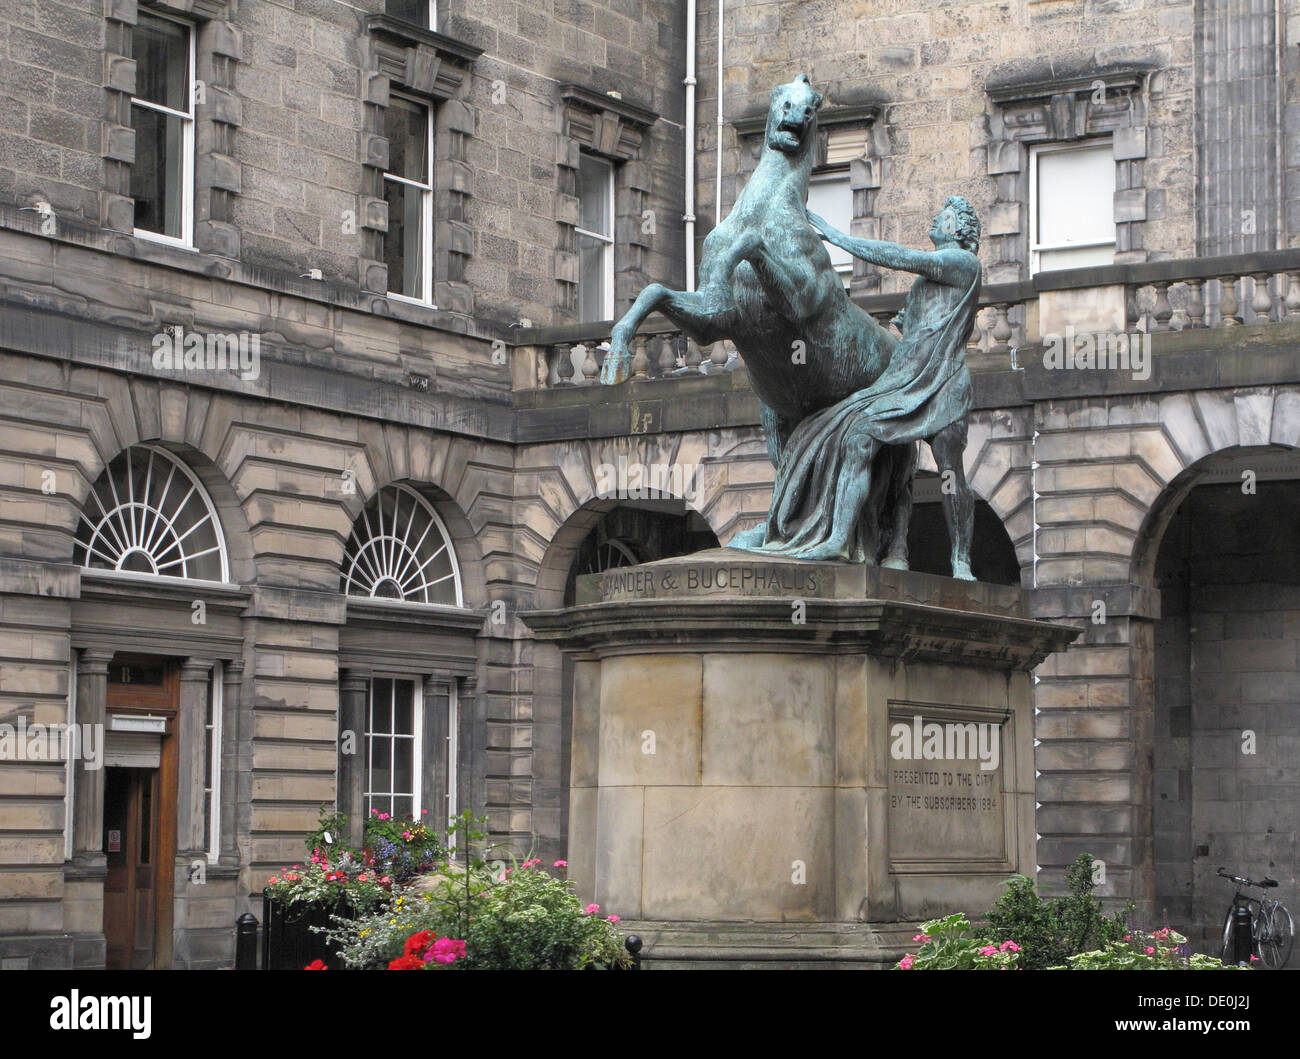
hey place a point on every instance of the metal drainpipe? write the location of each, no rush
(718, 185)
(689, 82)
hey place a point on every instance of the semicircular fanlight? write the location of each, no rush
(149, 514)
(399, 549)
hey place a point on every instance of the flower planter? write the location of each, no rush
(289, 943)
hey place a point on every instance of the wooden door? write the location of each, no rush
(131, 849)
(146, 685)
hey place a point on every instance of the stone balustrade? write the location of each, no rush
(1177, 295)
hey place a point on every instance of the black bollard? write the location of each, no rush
(633, 945)
(1241, 939)
(246, 942)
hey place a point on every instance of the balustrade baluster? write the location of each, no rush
(1195, 304)
(1001, 331)
(1293, 295)
(1261, 302)
(563, 364)
(640, 358)
(1228, 301)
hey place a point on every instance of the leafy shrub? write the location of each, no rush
(1051, 931)
(520, 919)
(321, 882)
(949, 945)
(400, 847)
(1162, 950)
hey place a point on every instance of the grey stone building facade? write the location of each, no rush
(418, 219)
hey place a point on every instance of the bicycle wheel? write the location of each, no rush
(1275, 936)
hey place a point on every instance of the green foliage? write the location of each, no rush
(520, 919)
(948, 944)
(1137, 951)
(397, 847)
(517, 918)
(331, 829)
(1051, 931)
(326, 883)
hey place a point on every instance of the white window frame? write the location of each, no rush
(172, 463)
(607, 253)
(838, 175)
(1035, 247)
(417, 748)
(433, 15)
(426, 210)
(213, 733)
(395, 548)
(186, 239)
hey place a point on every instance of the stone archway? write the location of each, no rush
(1226, 722)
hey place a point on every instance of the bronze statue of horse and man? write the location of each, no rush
(843, 402)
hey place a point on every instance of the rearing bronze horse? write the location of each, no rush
(766, 283)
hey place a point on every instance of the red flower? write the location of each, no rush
(406, 963)
(418, 943)
(316, 965)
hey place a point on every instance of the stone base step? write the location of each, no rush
(771, 946)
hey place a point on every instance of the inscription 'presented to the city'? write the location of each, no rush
(945, 786)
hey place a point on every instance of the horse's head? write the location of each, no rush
(791, 116)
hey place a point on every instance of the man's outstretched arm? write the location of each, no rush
(937, 265)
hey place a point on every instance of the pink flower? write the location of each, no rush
(1150, 951)
(612, 919)
(561, 864)
(374, 812)
(406, 835)
(385, 880)
(1127, 936)
(1254, 959)
(445, 950)
(361, 877)
(530, 863)
(424, 812)
(905, 964)
(922, 938)
(383, 816)
(591, 910)
(989, 950)
(272, 880)
(1009, 946)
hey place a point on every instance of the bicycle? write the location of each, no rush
(1272, 930)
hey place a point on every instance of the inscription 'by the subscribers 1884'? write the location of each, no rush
(742, 579)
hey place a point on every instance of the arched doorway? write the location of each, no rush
(639, 531)
(993, 556)
(1225, 761)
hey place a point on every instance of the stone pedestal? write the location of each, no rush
(764, 743)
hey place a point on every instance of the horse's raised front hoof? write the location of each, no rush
(961, 571)
(615, 369)
(895, 563)
(749, 540)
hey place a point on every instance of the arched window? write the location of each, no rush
(399, 549)
(149, 514)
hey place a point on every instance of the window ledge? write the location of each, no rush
(115, 582)
(428, 616)
(640, 118)
(411, 34)
(827, 118)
